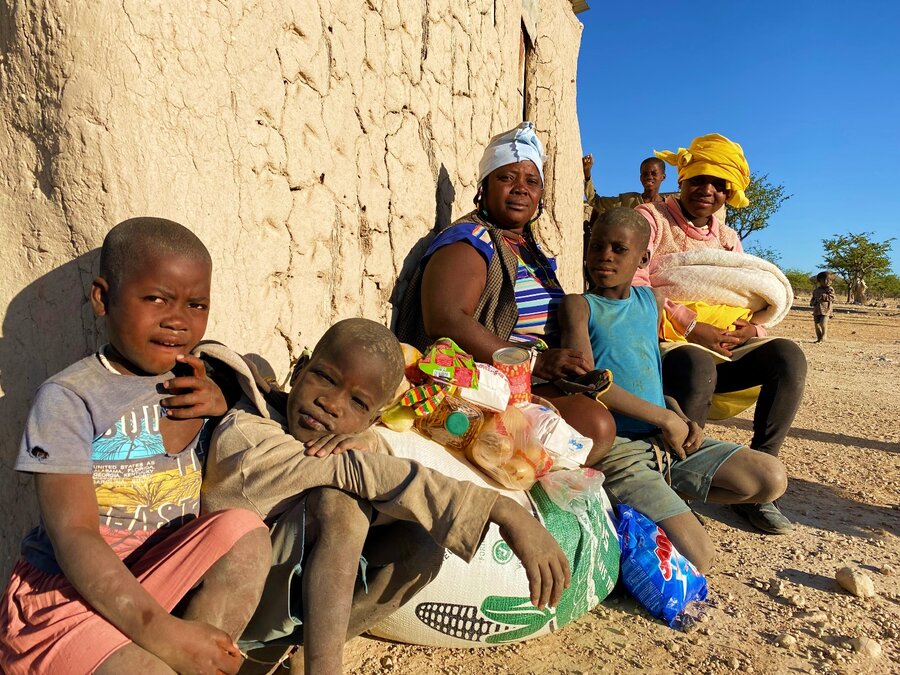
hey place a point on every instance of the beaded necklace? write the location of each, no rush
(104, 360)
(545, 275)
(513, 241)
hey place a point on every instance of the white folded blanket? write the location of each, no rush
(719, 277)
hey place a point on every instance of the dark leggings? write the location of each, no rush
(690, 376)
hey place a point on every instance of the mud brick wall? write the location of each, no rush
(310, 144)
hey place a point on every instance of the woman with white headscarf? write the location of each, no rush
(485, 281)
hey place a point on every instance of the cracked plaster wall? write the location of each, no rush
(311, 144)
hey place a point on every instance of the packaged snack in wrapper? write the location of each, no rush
(653, 570)
(445, 361)
(414, 403)
(425, 398)
(492, 392)
(567, 447)
(507, 450)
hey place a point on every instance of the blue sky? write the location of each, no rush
(811, 90)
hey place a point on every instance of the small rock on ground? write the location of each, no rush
(856, 582)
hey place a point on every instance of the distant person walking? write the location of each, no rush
(823, 304)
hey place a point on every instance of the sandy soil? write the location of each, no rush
(843, 457)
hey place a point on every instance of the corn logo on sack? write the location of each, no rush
(486, 602)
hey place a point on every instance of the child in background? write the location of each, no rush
(121, 576)
(617, 324)
(652, 176)
(822, 303)
(275, 457)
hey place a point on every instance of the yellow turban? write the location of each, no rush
(713, 155)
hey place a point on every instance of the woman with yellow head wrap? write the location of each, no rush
(716, 156)
(712, 171)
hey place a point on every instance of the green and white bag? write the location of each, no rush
(486, 602)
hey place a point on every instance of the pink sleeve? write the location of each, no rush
(679, 315)
(738, 244)
(642, 275)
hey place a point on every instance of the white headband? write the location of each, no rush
(511, 147)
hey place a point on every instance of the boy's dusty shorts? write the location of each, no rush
(634, 477)
(50, 628)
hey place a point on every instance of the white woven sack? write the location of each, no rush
(486, 602)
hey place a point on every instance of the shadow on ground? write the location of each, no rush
(827, 508)
(821, 507)
(820, 436)
(819, 582)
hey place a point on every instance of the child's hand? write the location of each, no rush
(711, 337)
(675, 433)
(196, 648)
(744, 331)
(554, 364)
(695, 437)
(545, 564)
(193, 395)
(335, 444)
(681, 434)
(587, 163)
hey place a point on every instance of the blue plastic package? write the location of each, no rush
(654, 572)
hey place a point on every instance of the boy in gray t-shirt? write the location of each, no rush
(117, 474)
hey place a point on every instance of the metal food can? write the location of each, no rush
(515, 363)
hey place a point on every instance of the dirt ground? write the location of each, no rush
(843, 458)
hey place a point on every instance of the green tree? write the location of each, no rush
(764, 252)
(857, 258)
(765, 199)
(800, 280)
(885, 286)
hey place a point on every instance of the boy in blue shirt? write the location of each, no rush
(617, 325)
